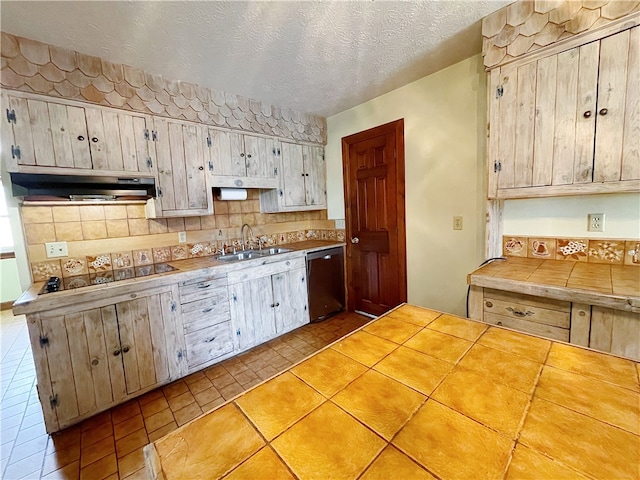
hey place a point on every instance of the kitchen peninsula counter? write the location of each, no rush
(415, 394)
(188, 269)
(612, 286)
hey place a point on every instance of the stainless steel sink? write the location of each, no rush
(249, 254)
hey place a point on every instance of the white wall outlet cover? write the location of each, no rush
(182, 237)
(596, 222)
(340, 223)
(56, 249)
(457, 222)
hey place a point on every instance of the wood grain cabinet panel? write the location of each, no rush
(302, 180)
(45, 136)
(568, 123)
(239, 160)
(183, 187)
(90, 359)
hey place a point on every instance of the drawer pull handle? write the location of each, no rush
(519, 313)
(116, 353)
(209, 340)
(125, 349)
(206, 285)
(207, 310)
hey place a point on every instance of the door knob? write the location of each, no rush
(355, 240)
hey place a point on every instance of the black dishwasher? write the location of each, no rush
(325, 280)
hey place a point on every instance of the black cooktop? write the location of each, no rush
(55, 284)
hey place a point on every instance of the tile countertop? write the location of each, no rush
(614, 286)
(417, 394)
(189, 269)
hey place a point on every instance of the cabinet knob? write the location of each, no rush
(242, 154)
(499, 324)
(489, 304)
(603, 111)
(94, 362)
(116, 353)
(248, 155)
(277, 304)
(587, 114)
(581, 313)
(273, 305)
(200, 167)
(125, 349)
(81, 138)
(94, 139)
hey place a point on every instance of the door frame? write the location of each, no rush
(397, 128)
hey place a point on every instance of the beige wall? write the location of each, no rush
(9, 280)
(444, 161)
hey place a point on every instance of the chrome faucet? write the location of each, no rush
(242, 238)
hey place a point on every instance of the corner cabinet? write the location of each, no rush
(238, 160)
(302, 184)
(42, 135)
(567, 123)
(90, 359)
(268, 300)
(183, 187)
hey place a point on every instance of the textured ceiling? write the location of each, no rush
(315, 57)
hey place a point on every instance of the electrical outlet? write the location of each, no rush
(182, 237)
(596, 222)
(457, 222)
(56, 249)
(340, 224)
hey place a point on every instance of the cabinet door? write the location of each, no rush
(85, 375)
(290, 296)
(226, 153)
(47, 134)
(148, 329)
(617, 151)
(292, 175)
(182, 177)
(314, 176)
(252, 311)
(259, 160)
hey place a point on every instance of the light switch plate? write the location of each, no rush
(56, 249)
(182, 237)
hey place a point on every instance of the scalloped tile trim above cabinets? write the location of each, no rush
(594, 250)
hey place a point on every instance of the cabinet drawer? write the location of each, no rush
(202, 288)
(524, 325)
(209, 343)
(266, 270)
(523, 311)
(205, 317)
(216, 298)
(548, 303)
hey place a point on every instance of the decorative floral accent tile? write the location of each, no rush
(514, 246)
(197, 249)
(102, 277)
(542, 248)
(572, 249)
(142, 257)
(162, 268)
(606, 251)
(74, 266)
(282, 238)
(209, 248)
(332, 235)
(43, 270)
(340, 235)
(300, 236)
(99, 263)
(632, 252)
(323, 234)
(122, 260)
(161, 254)
(78, 281)
(179, 252)
(292, 237)
(144, 270)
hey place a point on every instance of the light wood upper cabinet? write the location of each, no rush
(568, 123)
(38, 132)
(183, 186)
(302, 180)
(89, 359)
(239, 160)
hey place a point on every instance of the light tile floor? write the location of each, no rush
(110, 444)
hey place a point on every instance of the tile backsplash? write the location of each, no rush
(113, 238)
(610, 251)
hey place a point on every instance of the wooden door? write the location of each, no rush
(293, 175)
(617, 151)
(146, 346)
(290, 296)
(314, 176)
(373, 163)
(182, 177)
(80, 362)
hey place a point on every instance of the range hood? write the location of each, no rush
(78, 187)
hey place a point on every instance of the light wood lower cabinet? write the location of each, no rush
(592, 326)
(268, 300)
(207, 321)
(89, 358)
